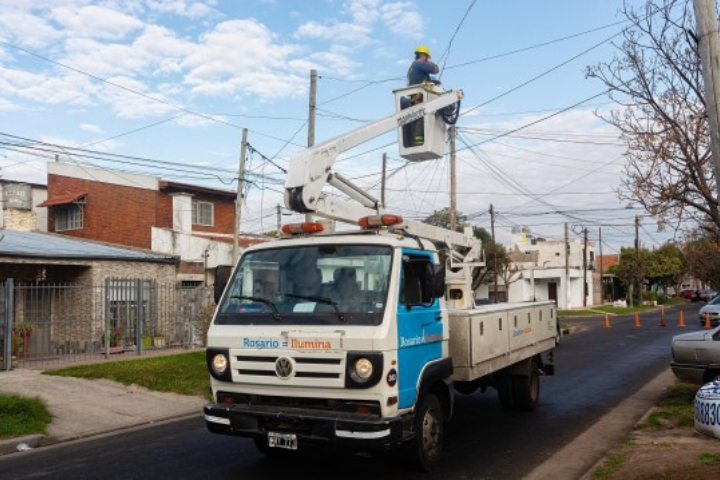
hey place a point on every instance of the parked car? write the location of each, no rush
(696, 356)
(687, 293)
(712, 309)
(704, 295)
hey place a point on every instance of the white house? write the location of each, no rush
(538, 271)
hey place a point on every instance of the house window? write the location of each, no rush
(69, 217)
(202, 213)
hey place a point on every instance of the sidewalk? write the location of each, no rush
(82, 408)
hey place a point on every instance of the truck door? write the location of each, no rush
(419, 319)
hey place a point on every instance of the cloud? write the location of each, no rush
(27, 30)
(403, 19)
(126, 104)
(72, 89)
(336, 31)
(93, 21)
(242, 57)
(90, 127)
(363, 11)
(183, 8)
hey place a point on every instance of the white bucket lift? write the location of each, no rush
(433, 126)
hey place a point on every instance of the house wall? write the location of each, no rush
(112, 213)
(39, 195)
(192, 248)
(123, 208)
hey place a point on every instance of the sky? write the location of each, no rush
(165, 87)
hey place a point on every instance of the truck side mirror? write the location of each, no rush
(439, 281)
(222, 275)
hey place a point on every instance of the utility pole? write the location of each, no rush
(382, 180)
(278, 215)
(239, 198)
(453, 181)
(567, 267)
(602, 271)
(311, 112)
(585, 289)
(638, 274)
(709, 46)
(311, 119)
(492, 233)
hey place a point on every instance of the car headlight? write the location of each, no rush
(363, 370)
(218, 363)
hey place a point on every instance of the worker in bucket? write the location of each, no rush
(419, 72)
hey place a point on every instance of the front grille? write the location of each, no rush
(309, 369)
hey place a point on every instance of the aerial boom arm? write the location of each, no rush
(310, 170)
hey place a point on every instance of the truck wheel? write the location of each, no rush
(527, 390)
(506, 392)
(424, 450)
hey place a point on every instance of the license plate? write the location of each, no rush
(282, 440)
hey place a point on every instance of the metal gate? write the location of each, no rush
(52, 323)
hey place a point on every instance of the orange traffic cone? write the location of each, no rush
(682, 320)
(707, 320)
(637, 320)
(607, 321)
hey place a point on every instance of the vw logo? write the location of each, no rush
(284, 367)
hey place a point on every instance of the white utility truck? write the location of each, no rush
(359, 339)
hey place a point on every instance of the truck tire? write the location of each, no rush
(526, 390)
(424, 450)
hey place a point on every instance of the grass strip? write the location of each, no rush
(612, 464)
(676, 409)
(21, 416)
(184, 373)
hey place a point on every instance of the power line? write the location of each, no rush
(446, 54)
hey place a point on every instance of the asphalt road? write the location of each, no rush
(596, 368)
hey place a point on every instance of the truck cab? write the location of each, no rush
(331, 340)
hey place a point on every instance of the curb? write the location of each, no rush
(579, 457)
(9, 446)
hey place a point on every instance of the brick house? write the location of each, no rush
(190, 221)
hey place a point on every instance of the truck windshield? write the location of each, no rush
(285, 284)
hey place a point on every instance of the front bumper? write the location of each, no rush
(314, 428)
(714, 320)
(689, 373)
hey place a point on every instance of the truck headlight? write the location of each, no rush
(363, 369)
(218, 362)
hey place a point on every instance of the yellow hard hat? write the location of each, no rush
(423, 49)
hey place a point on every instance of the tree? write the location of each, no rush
(441, 218)
(665, 266)
(656, 79)
(703, 258)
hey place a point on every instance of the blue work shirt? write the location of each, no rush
(420, 72)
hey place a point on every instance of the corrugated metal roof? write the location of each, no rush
(53, 246)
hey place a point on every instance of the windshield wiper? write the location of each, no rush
(276, 314)
(321, 300)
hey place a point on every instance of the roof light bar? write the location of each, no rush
(376, 221)
(305, 227)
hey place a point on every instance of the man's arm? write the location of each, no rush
(427, 67)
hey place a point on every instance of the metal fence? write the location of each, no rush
(51, 323)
